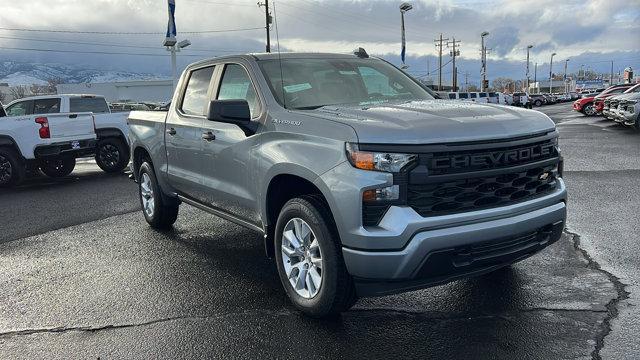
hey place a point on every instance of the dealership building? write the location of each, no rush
(129, 91)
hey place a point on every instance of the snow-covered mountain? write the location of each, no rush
(21, 73)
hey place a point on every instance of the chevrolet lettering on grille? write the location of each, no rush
(494, 158)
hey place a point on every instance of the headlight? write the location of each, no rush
(378, 161)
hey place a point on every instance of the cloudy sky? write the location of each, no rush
(589, 33)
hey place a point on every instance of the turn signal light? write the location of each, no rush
(44, 127)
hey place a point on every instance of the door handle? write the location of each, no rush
(171, 131)
(208, 136)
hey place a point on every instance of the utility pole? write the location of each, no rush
(611, 77)
(454, 53)
(466, 81)
(267, 20)
(439, 46)
(535, 76)
(551, 74)
(528, 77)
(483, 56)
(565, 76)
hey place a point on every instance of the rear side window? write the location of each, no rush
(464, 95)
(195, 95)
(493, 94)
(88, 104)
(20, 108)
(473, 95)
(452, 96)
(46, 106)
(483, 94)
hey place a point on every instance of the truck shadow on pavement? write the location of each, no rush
(548, 306)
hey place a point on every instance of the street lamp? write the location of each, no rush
(174, 47)
(404, 7)
(529, 47)
(483, 52)
(551, 73)
(565, 76)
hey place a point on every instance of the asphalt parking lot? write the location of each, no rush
(83, 276)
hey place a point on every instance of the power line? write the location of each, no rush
(127, 33)
(93, 52)
(107, 44)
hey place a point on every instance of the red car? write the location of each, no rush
(593, 105)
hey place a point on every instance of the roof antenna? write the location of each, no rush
(275, 15)
(361, 53)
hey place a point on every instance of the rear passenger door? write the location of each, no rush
(227, 161)
(183, 134)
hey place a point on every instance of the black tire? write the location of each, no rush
(60, 167)
(112, 155)
(538, 103)
(165, 209)
(12, 169)
(337, 291)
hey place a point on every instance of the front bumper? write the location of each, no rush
(451, 250)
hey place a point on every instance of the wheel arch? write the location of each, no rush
(281, 188)
(8, 142)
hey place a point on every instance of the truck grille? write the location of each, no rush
(479, 193)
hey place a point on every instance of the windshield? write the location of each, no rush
(312, 83)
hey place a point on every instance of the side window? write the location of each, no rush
(96, 105)
(20, 108)
(473, 95)
(195, 95)
(236, 85)
(376, 82)
(46, 106)
(452, 96)
(464, 95)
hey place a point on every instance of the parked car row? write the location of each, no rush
(515, 99)
(617, 102)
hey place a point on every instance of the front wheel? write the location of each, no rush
(309, 259)
(160, 212)
(112, 155)
(538, 103)
(589, 109)
(11, 168)
(58, 167)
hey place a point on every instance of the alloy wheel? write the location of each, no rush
(6, 171)
(302, 258)
(109, 155)
(589, 110)
(146, 191)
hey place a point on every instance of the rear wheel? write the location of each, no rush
(309, 259)
(159, 211)
(589, 109)
(11, 168)
(58, 167)
(538, 103)
(112, 155)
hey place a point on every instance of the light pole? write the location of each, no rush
(565, 75)
(404, 7)
(174, 49)
(551, 73)
(483, 55)
(528, 48)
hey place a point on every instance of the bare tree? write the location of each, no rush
(52, 83)
(37, 89)
(18, 92)
(502, 83)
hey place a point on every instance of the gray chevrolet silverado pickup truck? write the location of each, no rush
(359, 182)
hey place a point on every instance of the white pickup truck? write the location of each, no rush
(111, 130)
(48, 141)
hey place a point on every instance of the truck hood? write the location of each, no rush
(436, 121)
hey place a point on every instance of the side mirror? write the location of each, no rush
(229, 111)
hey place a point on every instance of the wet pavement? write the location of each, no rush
(84, 277)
